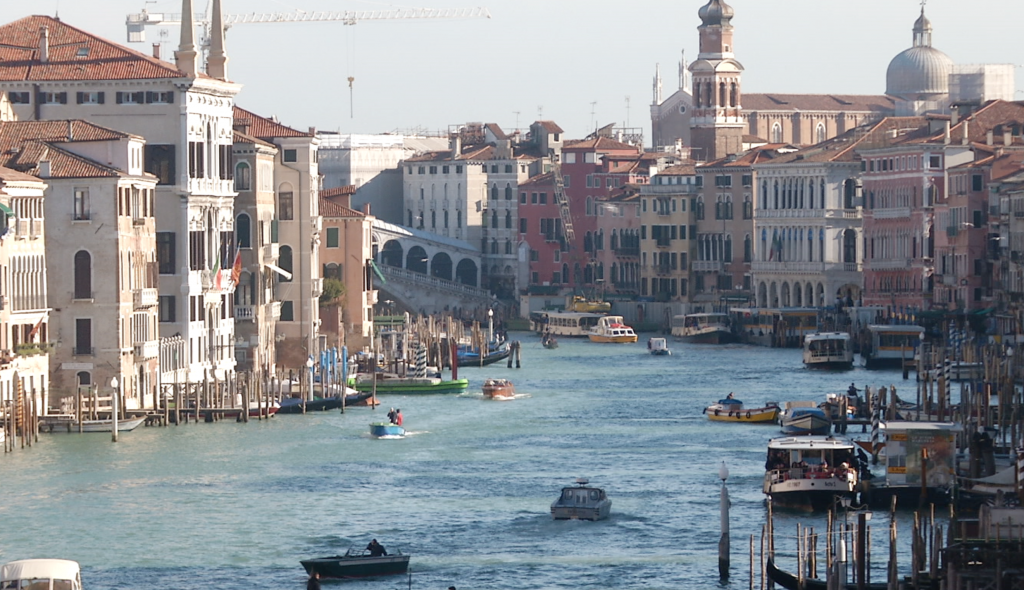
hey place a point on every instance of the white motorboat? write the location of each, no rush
(123, 425)
(41, 574)
(828, 350)
(581, 502)
(808, 472)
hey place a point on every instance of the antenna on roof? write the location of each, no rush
(593, 111)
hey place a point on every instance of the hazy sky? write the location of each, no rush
(557, 57)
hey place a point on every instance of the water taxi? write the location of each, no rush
(808, 472)
(357, 564)
(732, 410)
(581, 502)
(389, 383)
(703, 328)
(45, 574)
(828, 350)
(499, 389)
(658, 347)
(891, 346)
(572, 324)
(611, 329)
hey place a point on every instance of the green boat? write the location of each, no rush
(409, 385)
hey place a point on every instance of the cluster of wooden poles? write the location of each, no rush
(20, 419)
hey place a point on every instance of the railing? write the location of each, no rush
(150, 349)
(440, 284)
(245, 313)
(891, 264)
(894, 213)
(147, 297)
(707, 266)
(663, 269)
(664, 242)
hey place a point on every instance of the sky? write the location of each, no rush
(580, 63)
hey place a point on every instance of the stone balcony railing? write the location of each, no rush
(440, 284)
(245, 313)
(271, 252)
(707, 266)
(147, 297)
(150, 349)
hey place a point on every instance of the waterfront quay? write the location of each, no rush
(467, 492)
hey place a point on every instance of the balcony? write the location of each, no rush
(145, 297)
(663, 269)
(245, 313)
(150, 349)
(893, 213)
(83, 351)
(707, 266)
(275, 310)
(270, 252)
(890, 264)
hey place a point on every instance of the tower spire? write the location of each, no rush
(185, 56)
(217, 63)
(657, 84)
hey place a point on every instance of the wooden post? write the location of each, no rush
(723, 542)
(861, 552)
(751, 570)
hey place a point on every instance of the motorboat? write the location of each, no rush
(703, 328)
(293, 405)
(828, 350)
(808, 472)
(548, 341)
(41, 574)
(390, 383)
(731, 410)
(358, 564)
(611, 329)
(581, 502)
(386, 430)
(658, 347)
(500, 389)
(804, 417)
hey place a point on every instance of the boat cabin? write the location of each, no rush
(809, 471)
(891, 345)
(581, 502)
(564, 323)
(828, 349)
(41, 574)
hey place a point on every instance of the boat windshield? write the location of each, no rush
(37, 584)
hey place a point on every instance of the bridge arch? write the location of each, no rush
(466, 272)
(416, 260)
(441, 266)
(392, 253)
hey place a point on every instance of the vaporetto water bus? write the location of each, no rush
(891, 346)
(573, 324)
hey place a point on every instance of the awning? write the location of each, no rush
(377, 272)
(6, 209)
(280, 271)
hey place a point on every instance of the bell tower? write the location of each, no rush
(717, 122)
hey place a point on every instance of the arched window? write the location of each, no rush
(696, 95)
(776, 133)
(722, 98)
(734, 95)
(590, 206)
(494, 246)
(284, 260)
(508, 192)
(243, 232)
(494, 219)
(243, 176)
(508, 246)
(83, 275)
(494, 192)
(819, 133)
(508, 220)
(84, 378)
(748, 248)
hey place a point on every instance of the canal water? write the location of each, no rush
(467, 493)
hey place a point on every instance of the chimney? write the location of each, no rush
(1007, 138)
(312, 130)
(217, 62)
(455, 141)
(990, 137)
(966, 138)
(44, 44)
(71, 130)
(955, 114)
(156, 50)
(44, 169)
(185, 57)
(366, 208)
(945, 134)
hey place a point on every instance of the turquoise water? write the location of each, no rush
(467, 493)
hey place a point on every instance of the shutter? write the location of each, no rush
(169, 96)
(102, 95)
(62, 98)
(682, 232)
(140, 96)
(119, 97)
(80, 97)
(149, 97)
(673, 232)
(643, 232)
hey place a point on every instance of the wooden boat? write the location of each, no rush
(388, 383)
(828, 350)
(386, 429)
(470, 357)
(658, 347)
(548, 341)
(804, 417)
(703, 328)
(891, 346)
(123, 425)
(581, 502)
(801, 471)
(732, 410)
(44, 574)
(357, 564)
(573, 324)
(611, 329)
(500, 389)
(293, 405)
(792, 582)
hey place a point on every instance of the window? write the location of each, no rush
(508, 192)
(130, 97)
(225, 157)
(293, 156)
(197, 250)
(543, 198)
(89, 97)
(332, 237)
(935, 161)
(168, 308)
(819, 133)
(566, 180)
(977, 182)
(243, 176)
(776, 133)
(243, 231)
(160, 161)
(522, 225)
(83, 336)
(748, 180)
(508, 220)
(284, 260)
(287, 313)
(83, 275)
(20, 97)
(522, 198)
(433, 169)
(53, 98)
(285, 206)
(81, 211)
(165, 252)
(723, 180)
(160, 97)
(196, 159)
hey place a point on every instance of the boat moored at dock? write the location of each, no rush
(808, 472)
(611, 329)
(703, 328)
(891, 346)
(732, 410)
(828, 350)
(804, 417)
(581, 502)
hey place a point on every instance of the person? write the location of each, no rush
(398, 417)
(391, 415)
(730, 396)
(314, 581)
(376, 549)
(852, 391)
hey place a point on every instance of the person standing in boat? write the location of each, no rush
(398, 417)
(391, 416)
(376, 549)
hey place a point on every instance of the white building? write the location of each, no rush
(355, 160)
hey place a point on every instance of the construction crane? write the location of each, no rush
(138, 22)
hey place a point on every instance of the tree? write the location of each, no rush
(334, 291)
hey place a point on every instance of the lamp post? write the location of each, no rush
(723, 542)
(490, 329)
(309, 365)
(114, 401)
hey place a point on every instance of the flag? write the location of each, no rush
(776, 246)
(216, 274)
(236, 268)
(35, 330)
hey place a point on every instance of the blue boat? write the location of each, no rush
(386, 429)
(800, 419)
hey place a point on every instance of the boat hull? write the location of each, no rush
(841, 364)
(127, 425)
(722, 336)
(347, 567)
(294, 405)
(792, 582)
(499, 390)
(472, 358)
(662, 352)
(810, 495)
(380, 429)
(392, 386)
(623, 339)
(807, 424)
(581, 513)
(756, 415)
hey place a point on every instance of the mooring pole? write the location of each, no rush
(723, 542)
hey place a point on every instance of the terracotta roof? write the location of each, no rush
(550, 126)
(1007, 165)
(757, 155)
(331, 209)
(843, 148)
(58, 130)
(600, 143)
(753, 139)
(546, 179)
(881, 104)
(239, 137)
(496, 131)
(73, 55)
(686, 169)
(23, 144)
(329, 193)
(63, 164)
(995, 116)
(263, 127)
(8, 175)
(472, 152)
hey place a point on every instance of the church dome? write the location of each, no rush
(716, 12)
(920, 70)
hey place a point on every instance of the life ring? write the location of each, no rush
(748, 414)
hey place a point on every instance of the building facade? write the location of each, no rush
(346, 252)
(667, 233)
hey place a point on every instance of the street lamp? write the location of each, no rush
(490, 328)
(113, 408)
(309, 365)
